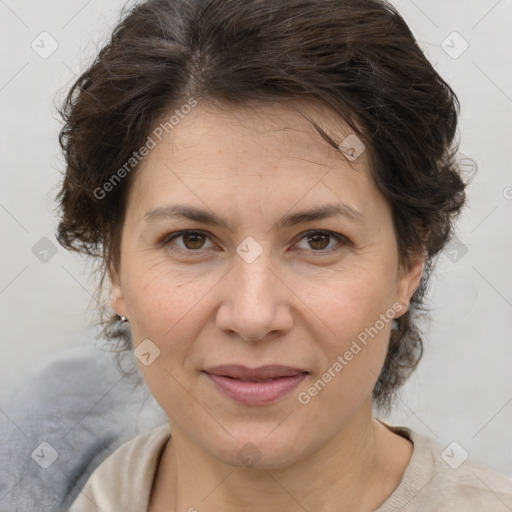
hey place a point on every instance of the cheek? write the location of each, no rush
(165, 306)
(163, 303)
(358, 313)
(351, 363)
(354, 301)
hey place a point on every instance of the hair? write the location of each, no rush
(358, 57)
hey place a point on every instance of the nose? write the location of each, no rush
(255, 301)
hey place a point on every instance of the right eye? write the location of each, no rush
(192, 241)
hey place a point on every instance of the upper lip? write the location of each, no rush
(270, 371)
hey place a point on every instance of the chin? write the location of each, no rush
(259, 450)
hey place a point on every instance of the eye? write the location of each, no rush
(320, 241)
(193, 241)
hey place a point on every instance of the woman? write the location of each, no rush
(267, 185)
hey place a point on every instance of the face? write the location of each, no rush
(251, 283)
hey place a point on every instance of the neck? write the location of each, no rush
(356, 470)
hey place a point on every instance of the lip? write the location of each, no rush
(255, 386)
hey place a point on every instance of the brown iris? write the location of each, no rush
(319, 240)
(195, 240)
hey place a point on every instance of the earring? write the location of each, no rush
(122, 319)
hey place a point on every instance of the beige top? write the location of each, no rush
(123, 481)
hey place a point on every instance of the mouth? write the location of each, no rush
(255, 386)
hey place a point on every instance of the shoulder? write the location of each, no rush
(123, 480)
(440, 479)
(459, 480)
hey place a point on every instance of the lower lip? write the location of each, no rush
(256, 393)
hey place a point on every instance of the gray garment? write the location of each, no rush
(83, 408)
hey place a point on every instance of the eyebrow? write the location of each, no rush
(182, 211)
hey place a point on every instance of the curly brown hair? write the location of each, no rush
(358, 57)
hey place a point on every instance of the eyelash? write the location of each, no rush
(172, 236)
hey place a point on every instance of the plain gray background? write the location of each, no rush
(462, 390)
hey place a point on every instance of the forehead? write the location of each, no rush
(266, 150)
(278, 128)
(285, 128)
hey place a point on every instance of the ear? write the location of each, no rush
(409, 281)
(117, 302)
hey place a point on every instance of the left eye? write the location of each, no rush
(320, 240)
(193, 241)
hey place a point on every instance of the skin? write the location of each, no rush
(299, 304)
